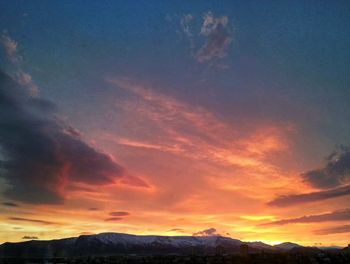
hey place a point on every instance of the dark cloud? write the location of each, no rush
(31, 220)
(119, 213)
(340, 215)
(288, 200)
(334, 173)
(218, 38)
(176, 230)
(30, 237)
(206, 232)
(40, 155)
(9, 204)
(114, 219)
(333, 230)
(93, 209)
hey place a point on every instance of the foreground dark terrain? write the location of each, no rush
(338, 257)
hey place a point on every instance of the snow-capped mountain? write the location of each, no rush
(128, 240)
(118, 243)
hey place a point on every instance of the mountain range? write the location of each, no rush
(118, 243)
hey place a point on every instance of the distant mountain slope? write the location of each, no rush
(117, 243)
(287, 246)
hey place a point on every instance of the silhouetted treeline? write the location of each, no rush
(340, 257)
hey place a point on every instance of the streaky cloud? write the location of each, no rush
(333, 230)
(30, 237)
(176, 230)
(120, 213)
(295, 199)
(31, 220)
(10, 204)
(112, 219)
(339, 215)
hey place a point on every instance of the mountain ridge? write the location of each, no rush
(110, 243)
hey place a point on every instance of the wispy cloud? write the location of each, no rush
(340, 215)
(216, 30)
(196, 132)
(11, 50)
(158, 124)
(211, 41)
(139, 144)
(112, 219)
(185, 23)
(119, 213)
(295, 199)
(31, 220)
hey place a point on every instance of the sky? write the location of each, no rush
(175, 118)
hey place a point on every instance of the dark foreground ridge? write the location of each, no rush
(253, 258)
(125, 248)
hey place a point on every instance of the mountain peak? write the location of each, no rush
(287, 245)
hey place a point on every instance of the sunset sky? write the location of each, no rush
(175, 118)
